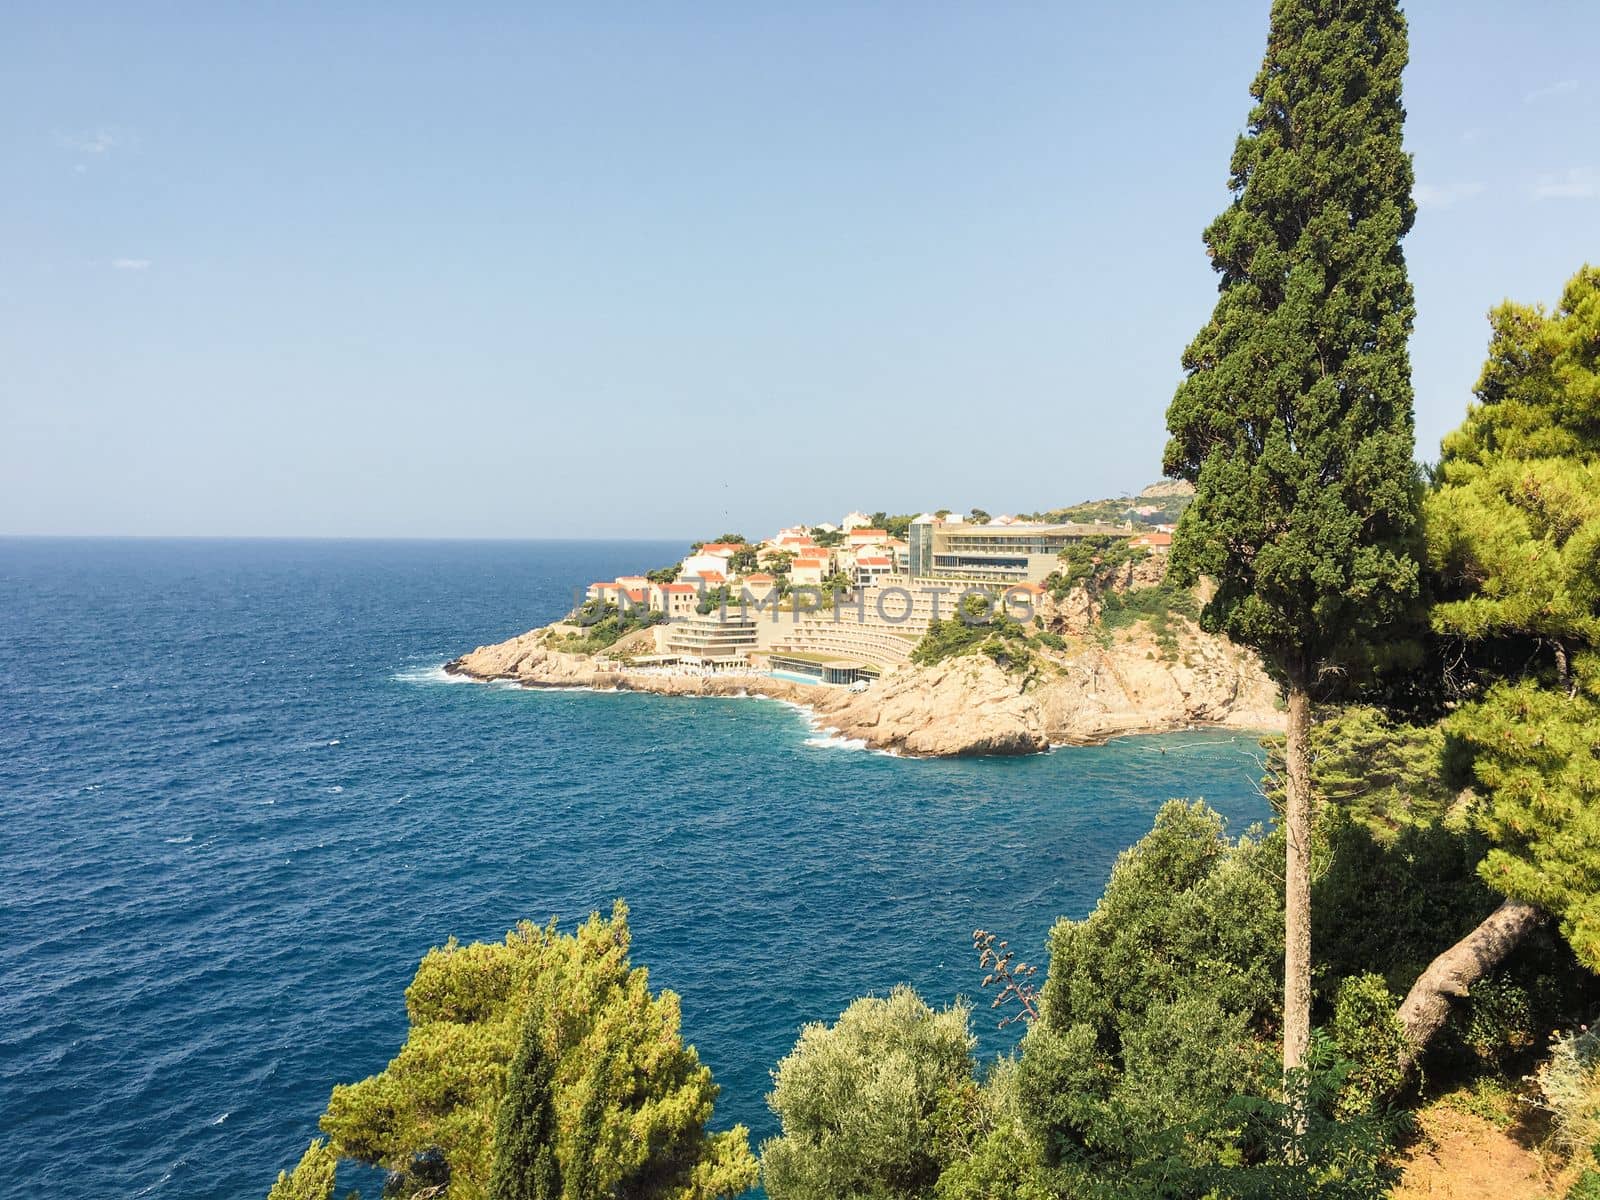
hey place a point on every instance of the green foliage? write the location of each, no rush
(603, 624)
(1383, 773)
(1371, 1039)
(667, 574)
(1539, 393)
(1514, 540)
(861, 1102)
(896, 526)
(1090, 512)
(827, 537)
(1155, 1006)
(1518, 546)
(1569, 1090)
(1500, 1020)
(312, 1177)
(1294, 421)
(1157, 605)
(714, 598)
(992, 1157)
(744, 560)
(631, 1101)
(1088, 562)
(731, 539)
(995, 635)
(1390, 902)
(1151, 1071)
(525, 1130)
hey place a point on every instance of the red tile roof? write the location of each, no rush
(713, 577)
(761, 578)
(872, 560)
(868, 533)
(679, 589)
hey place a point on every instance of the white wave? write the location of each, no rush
(222, 1118)
(433, 674)
(833, 741)
(180, 841)
(334, 790)
(335, 742)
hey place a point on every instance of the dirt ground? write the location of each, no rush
(1464, 1157)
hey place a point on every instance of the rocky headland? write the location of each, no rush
(1100, 685)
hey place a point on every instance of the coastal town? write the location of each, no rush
(841, 604)
(940, 634)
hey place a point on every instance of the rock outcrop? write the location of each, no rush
(965, 705)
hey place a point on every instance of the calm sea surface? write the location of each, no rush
(238, 802)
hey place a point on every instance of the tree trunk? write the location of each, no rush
(1564, 670)
(1297, 885)
(1452, 974)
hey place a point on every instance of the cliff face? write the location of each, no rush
(965, 705)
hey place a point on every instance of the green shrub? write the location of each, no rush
(1370, 1037)
(604, 624)
(1499, 1019)
(865, 1103)
(1569, 1090)
(1001, 638)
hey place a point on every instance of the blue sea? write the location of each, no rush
(239, 800)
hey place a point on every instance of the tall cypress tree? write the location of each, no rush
(1294, 419)
(525, 1128)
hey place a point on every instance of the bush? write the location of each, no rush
(631, 1100)
(999, 637)
(1569, 1090)
(604, 625)
(1155, 1007)
(865, 1103)
(1088, 562)
(1370, 1036)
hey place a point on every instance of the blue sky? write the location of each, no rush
(514, 270)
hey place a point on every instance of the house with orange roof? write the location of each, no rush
(870, 568)
(809, 570)
(678, 599)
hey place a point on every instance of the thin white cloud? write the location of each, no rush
(1575, 183)
(131, 264)
(1560, 88)
(98, 141)
(1443, 195)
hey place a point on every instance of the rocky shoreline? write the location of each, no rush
(961, 706)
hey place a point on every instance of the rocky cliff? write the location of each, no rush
(1087, 692)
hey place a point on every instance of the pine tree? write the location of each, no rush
(312, 1177)
(525, 1129)
(1294, 420)
(1514, 553)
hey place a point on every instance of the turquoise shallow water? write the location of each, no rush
(238, 802)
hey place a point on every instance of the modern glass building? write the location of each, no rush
(919, 545)
(1018, 553)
